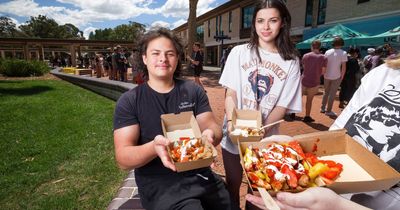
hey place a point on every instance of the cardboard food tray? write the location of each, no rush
(369, 173)
(245, 118)
(185, 125)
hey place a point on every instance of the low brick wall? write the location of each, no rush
(127, 197)
(108, 88)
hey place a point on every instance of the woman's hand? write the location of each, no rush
(160, 146)
(313, 198)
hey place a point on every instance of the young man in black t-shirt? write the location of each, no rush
(138, 136)
(196, 63)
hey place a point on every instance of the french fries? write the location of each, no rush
(189, 149)
(285, 167)
(245, 132)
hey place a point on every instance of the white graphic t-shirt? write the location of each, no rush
(372, 118)
(261, 85)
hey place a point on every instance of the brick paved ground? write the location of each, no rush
(127, 198)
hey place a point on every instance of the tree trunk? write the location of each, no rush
(191, 25)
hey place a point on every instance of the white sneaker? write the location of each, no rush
(331, 114)
(322, 110)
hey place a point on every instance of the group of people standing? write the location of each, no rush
(264, 75)
(117, 64)
(338, 69)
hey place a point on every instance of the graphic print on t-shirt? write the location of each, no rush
(260, 84)
(377, 126)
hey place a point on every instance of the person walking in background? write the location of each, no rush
(99, 65)
(114, 71)
(121, 65)
(335, 70)
(224, 57)
(261, 75)
(377, 59)
(138, 138)
(196, 63)
(368, 60)
(314, 65)
(349, 82)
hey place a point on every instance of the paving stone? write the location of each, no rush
(131, 204)
(131, 174)
(125, 192)
(116, 203)
(129, 183)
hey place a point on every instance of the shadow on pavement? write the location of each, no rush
(212, 77)
(318, 126)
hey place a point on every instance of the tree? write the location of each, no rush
(40, 27)
(7, 27)
(128, 32)
(69, 31)
(44, 27)
(191, 24)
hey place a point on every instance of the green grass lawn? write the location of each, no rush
(56, 147)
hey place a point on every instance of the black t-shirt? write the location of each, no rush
(144, 106)
(197, 56)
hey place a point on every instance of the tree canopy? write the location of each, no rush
(125, 32)
(7, 27)
(44, 27)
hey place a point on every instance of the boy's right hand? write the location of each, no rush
(160, 146)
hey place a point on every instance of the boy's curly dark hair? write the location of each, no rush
(150, 36)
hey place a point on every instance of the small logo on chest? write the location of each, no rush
(185, 105)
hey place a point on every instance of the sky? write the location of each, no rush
(89, 15)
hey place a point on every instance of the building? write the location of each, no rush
(309, 17)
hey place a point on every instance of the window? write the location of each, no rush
(220, 25)
(200, 33)
(362, 1)
(209, 28)
(247, 15)
(216, 26)
(230, 21)
(321, 12)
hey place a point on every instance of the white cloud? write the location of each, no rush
(180, 9)
(178, 23)
(87, 31)
(160, 24)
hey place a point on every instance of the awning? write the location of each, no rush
(349, 36)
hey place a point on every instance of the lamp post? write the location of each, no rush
(221, 38)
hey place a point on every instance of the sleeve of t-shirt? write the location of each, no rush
(202, 104)
(344, 57)
(231, 75)
(125, 111)
(290, 97)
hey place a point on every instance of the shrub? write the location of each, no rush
(23, 68)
